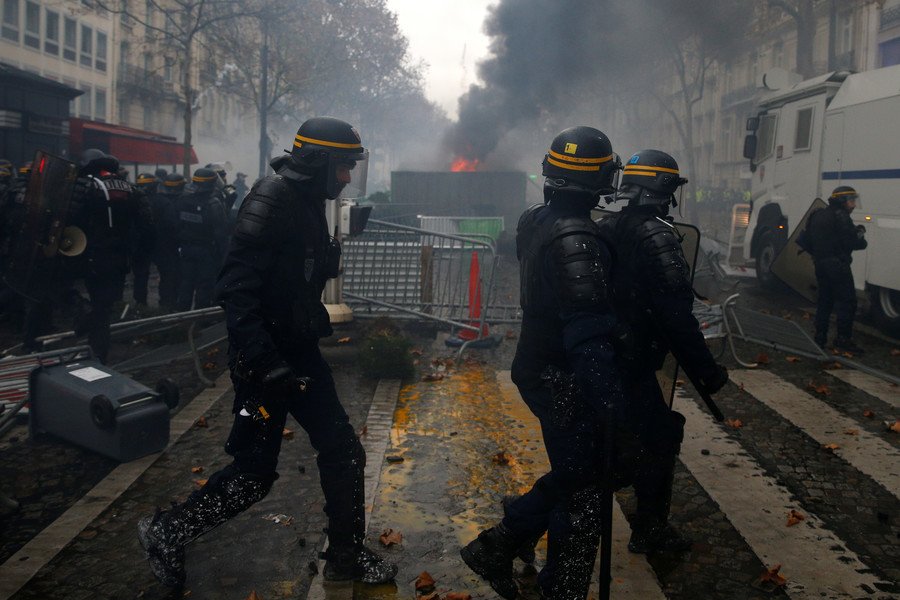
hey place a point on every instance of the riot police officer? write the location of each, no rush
(202, 231)
(146, 187)
(832, 237)
(568, 324)
(654, 300)
(112, 217)
(165, 254)
(279, 258)
(227, 191)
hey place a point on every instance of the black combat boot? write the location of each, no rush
(491, 555)
(657, 538)
(166, 533)
(525, 552)
(357, 564)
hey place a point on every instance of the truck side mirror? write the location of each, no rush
(752, 123)
(750, 146)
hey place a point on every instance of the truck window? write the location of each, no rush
(803, 135)
(766, 134)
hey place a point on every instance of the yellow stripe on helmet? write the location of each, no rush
(590, 161)
(851, 193)
(641, 173)
(146, 179)
(300, 138)
(571, 167)
(196, 179)
(173, 183)
(649, 168)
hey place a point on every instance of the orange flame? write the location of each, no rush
(460, 163)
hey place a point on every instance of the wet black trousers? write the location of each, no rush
(836, 292)
(566, 499)
(199, 268)
(255, 446)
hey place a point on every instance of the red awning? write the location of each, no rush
(127, 144)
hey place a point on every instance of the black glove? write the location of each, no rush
(715, 381)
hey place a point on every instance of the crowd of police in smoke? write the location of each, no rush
(181, 225)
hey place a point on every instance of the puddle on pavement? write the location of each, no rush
(449, 487)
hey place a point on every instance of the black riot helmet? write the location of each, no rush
(843, 194)
(205, 180)
(650, 178)
(580, 165)
(146, 182)
(330, 151)
(173, 184)
(93, 161)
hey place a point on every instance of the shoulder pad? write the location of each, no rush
(663, 257)
(529, 216)
(259, 213)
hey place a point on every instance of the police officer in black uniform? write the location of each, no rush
(568, 325)
(654, 300)
(165, 205)
(832, 237)
(146, 188)
(202, 236)
(112, 216)
(279, 258)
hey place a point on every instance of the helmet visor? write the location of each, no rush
(347, 175)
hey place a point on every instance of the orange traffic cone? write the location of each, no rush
(474, 302)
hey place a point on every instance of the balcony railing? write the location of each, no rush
(890, 17)
(143, 79)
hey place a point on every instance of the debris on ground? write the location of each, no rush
(287, 434)
(795, 517)
(201, 423)
(819, 388)
(424, 584)
(279, 519)
(196, 470)
(734, 423)
(390, 537)
(501, 458)
(773, 577)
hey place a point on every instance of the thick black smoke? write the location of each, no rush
(545, 52)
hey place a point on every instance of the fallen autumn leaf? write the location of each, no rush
(795, 517)
(390, 537)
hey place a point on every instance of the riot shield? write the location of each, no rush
(34, 263)
(795, 267)
(667, 376)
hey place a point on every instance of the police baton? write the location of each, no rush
(704, 394)
(606, 502)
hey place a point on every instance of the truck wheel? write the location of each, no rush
(885, 307)
(768, 250)
(102, 413)
(169, 392)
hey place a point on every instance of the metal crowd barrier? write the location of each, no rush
(401, 271)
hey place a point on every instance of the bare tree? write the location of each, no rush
(803, 12)
(183, 24)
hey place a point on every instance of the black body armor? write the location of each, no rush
(276, 268)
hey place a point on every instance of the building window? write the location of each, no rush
(32, 25)
(778, 55)
(149, 17)
(167, 71)
(87, 46)
(803, 136)
(845, 33)
(51, 33)
(100, 104)
(123, 111)
(766, 135)
(11, 20)
(70, 35)
(84, 102)
(148, 62)
(100, 60)
(124, 51)
(148, 118)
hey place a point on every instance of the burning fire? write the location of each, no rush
(461, 163)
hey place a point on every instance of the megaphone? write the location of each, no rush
(72, 242)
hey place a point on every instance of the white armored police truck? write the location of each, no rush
(809, 137)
